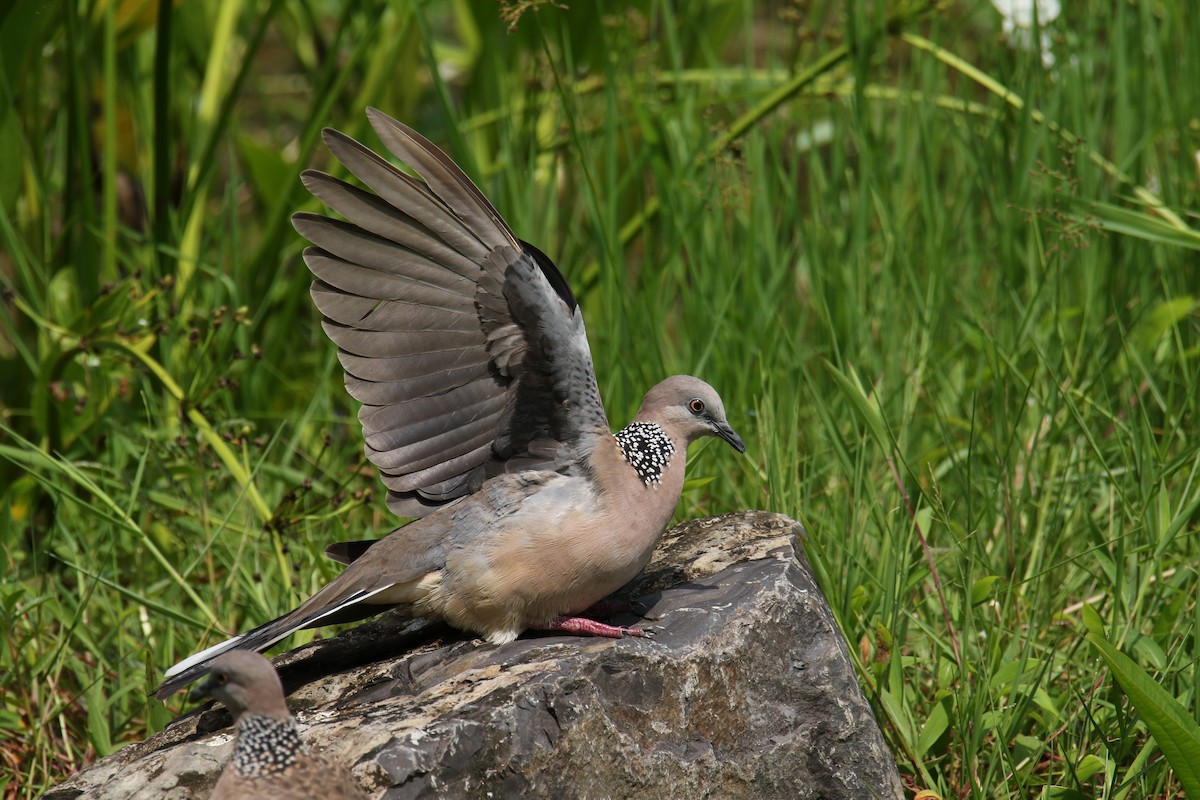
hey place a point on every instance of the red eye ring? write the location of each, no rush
(696, 405)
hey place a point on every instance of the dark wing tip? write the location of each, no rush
(553, 274)
(299, 218)
(348, 552)
(333, 135)
(173, 684)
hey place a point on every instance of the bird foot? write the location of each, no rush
(590, 627)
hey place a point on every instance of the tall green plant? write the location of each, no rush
(895, 242)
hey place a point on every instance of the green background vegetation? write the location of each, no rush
(948, 293)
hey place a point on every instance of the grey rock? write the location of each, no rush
(746, 691)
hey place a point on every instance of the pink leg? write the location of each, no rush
(589, 627)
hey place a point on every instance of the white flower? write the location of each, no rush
(1018, 17)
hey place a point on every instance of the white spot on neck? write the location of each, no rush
(647, 448)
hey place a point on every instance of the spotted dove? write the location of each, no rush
(467, 350)
(270, 759)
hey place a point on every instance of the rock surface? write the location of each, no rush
(746, 691)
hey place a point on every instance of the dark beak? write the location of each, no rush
(723, 430)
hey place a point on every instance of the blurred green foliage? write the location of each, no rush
(948, 290)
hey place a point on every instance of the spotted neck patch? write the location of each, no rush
(266, 745)
(647, 448)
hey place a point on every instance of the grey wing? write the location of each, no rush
(464, 344)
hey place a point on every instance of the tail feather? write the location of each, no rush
(257, 640)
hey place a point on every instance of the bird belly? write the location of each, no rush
(535, 572)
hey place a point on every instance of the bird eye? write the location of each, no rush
(696, 406)
(222, 679)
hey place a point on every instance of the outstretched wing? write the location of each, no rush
(464, 344)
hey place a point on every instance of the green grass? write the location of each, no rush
(949, 295)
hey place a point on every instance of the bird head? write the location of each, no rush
(689, 408)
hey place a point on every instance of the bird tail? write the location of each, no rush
(196, 665)
(259, 639)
